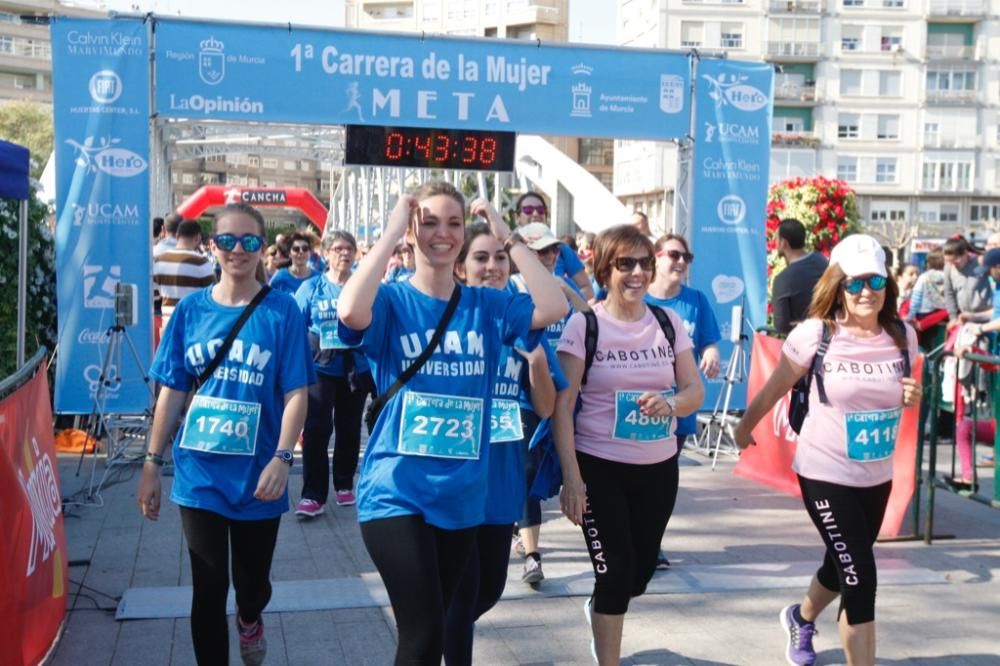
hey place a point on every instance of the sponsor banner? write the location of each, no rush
(733, 105)
(236, 72)
(101, 99)
(34, 575)
(770, 461)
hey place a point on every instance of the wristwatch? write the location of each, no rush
(285, 456)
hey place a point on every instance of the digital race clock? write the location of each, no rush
(472, 150)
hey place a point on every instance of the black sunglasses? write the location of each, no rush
(628, 264)
(227, 242)
(676, 255)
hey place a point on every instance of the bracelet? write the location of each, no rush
(155, 458)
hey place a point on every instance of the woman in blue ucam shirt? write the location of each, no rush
(422, 490)
(300, 245)
(234, 451)
(337, 399)
(523, 374)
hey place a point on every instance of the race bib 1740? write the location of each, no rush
(219, 425)
(505, 421)
(631, 424)
(440, 426)
(872, 435)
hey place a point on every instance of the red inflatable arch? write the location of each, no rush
(291, 197)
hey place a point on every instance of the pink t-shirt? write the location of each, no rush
(632, 357)
(850, 441)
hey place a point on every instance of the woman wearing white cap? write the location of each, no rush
(844, 454)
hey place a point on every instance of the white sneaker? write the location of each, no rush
(588, 612)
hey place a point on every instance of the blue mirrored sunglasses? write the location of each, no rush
(855, 285)
(227, 242)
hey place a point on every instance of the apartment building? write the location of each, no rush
(546, 20)
(897, 97)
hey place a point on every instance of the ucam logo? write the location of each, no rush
(731, 209)
(105, 86)
(732, 133)
(104, 213)
(104, 155)
(732, 90)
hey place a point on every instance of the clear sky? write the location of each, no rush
(590, 21)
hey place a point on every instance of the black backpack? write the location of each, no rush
(798, 402)
(590, 337)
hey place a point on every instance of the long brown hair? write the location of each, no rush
(827, 300)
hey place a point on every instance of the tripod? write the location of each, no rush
(720, 422)
(126, 434)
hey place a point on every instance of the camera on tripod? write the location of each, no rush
(126, 304)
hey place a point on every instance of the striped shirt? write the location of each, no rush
(178, 273)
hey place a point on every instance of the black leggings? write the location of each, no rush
(479, 590)
(628, 507)
(332, 406)
(421, 566)
(532, 513)
(210, 537)
(848, 519)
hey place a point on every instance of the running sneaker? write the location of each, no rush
(345, 498)
(588, 612)
(308, 508)
(253, 647)
(532, 569)
(518, 545)
(661, 560)
(800, 650)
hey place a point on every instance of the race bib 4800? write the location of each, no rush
(872, 435)
(440, 426)
(632, 424)
(218, 425)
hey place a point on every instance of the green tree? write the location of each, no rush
(29, 124)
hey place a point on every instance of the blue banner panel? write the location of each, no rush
(733, 108)
(100, 77)
(338, 77)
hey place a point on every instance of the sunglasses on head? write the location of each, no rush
(854, 286)
(628, 264)
(532, 210)
(676, 255)
(227, 242)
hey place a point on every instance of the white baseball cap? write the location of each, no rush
(537, 235)
(859, 254)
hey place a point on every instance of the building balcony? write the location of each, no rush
(957, 9)
(795, 6)
(796, 93)
(947, 52)
(795, 140)
(794, 50)
(952, 96)
(25, 94)
(519, 12)
(964, 142)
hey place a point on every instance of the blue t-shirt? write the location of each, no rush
(317, 299)
(269, 358)
(283, 280)
(553, 331)
(399, 273)
(439, 468)
(567, 263)
(699, 321)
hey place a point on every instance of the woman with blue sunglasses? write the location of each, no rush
(233, 454)
(844, 453)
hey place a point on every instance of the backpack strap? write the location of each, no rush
(589, 342)
(905, 351)
(668, 329)
(816, 367)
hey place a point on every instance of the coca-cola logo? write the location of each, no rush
(779, 421)
(89, 337)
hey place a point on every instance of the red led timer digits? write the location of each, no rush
(441, 148)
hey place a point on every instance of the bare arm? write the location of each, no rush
(573, 496)
(274, 477)
(169, 405)
(780, 383)
(583, 282)
(543, 390)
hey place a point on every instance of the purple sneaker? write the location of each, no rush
(800, 638)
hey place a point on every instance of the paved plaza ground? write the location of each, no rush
(740, 552)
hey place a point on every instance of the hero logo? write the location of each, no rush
(732, 90)
(104, 213)
(731, 209)
(102, 155)
(732, 133)
(212, 61)
(99, 286)
(105, 87)
(89, 337)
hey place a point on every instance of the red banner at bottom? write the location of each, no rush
(33, 576)
(770, 461)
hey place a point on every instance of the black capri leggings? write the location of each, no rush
(210, 537)
(848, 519)
(333, 405)
(420, 566)
(628, 507)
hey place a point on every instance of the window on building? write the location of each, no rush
(596, 152)
(692, 34)
(783, 124)
(888, 126)
(850, 37)
(848, 125)
(889, 83)
(850, 82)
(6, 45)
(893, 4)
(251, 181)
(289, 165)
(887, 212)
(269, 163)
(187, 179)
(988, 212)
(847, 169)
(944, 80)
(891, 38)
(254, 161)
(854, 3)
(731, 36)
(963, 176)
(948, 213)
(932, 133)
(885, 170)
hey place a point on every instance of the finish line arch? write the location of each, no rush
(212, 196)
